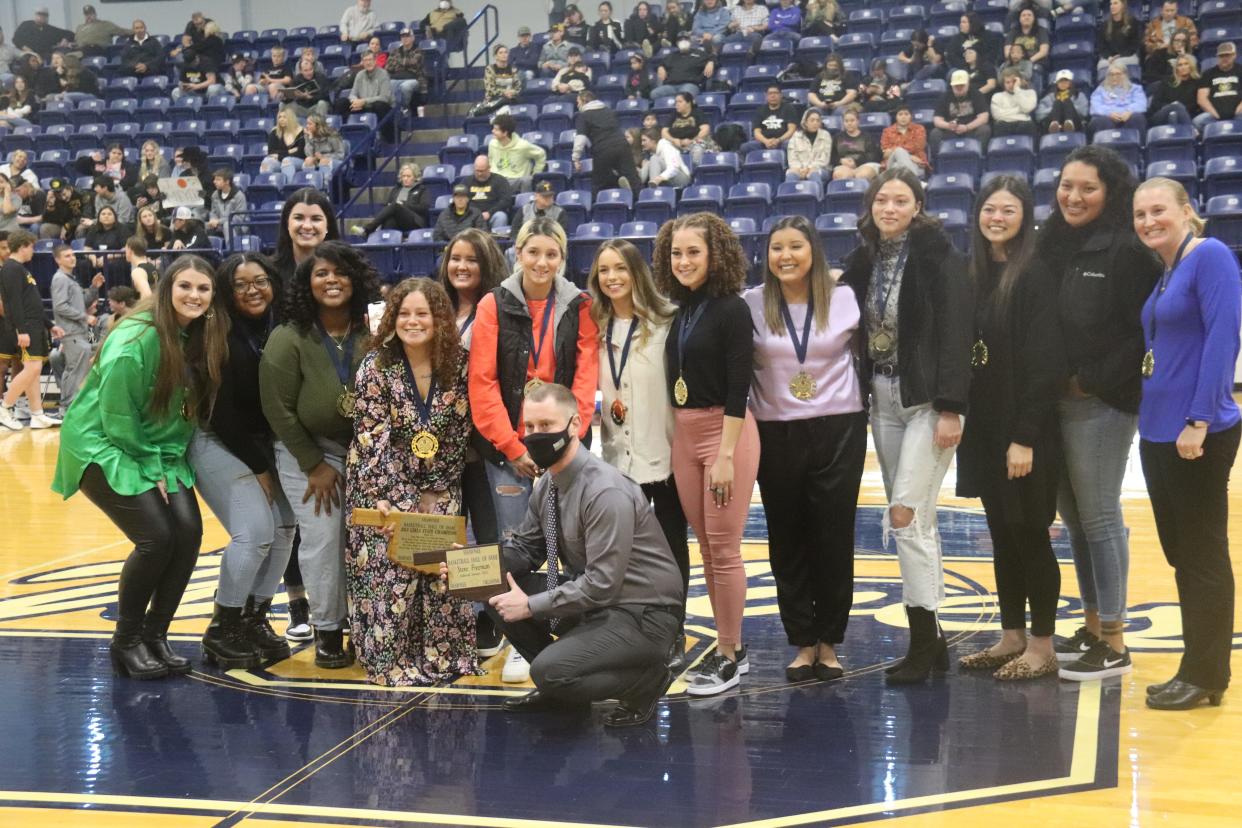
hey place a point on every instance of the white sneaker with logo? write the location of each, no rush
(516, 670)
(8, 419)
(1100, 662)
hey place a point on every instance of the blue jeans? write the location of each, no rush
(666, 89)
(1174, 113)
(260, 533)
(510, 496)
(499, 219)
(1096, 440)
(1202, 120)
(321, 554)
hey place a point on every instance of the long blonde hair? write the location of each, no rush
(1197, 224)
(651, 308)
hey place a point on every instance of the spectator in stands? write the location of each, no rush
(904, 143)
(121, 300)
(143, 272)
(19, 167)
(823, 18)
(596, 127)
(880, 94)
(325, 148)
(961, 113)
(405, 68)
(151, 160)
(686, 70)
(1032, 37)
(34, 202)
(1117, 103)
(17, 103)
(358, 22)
(112, 164)
(10, 203)
(372, 92)
(188, 233)
(543, 205)
(854, 154)
(78, 82)
(571, 80)
(643, 29)
(375, 46)
(1176, 100)
(1012, 106)
(27, 68)
(555, 53)
(197, 27)
(710, 24)
(502, 83)
(775, 122)
(286, 139)
(148, 194)
(445, 22)
(676, 23)
(663, 165)
(810, 149)
(408, 207)
(605, 34)
(226, 201)
(786, 20)
(48, 80)
(1063, 107)
(576, 29)
(971, 32)
(1015, 58)
(1161, 63)
(278, 75)
(36, 37)
(460, 215)
(63, 212)
(144, 56)
(982, 74)
(1120, 37)
(490, 193)
(107, 194)
(209, 51)
(914, 53)
(94, 36)
(8, 53)
(1220, 88)
(106, 233)
(307, 92)
(154, 233)
(513, 156)
(196, 79)
(525, 55)
(689, 128)
(748, 23)
(1160, 30)
(638, 80)
(834, 88)
(240, 79)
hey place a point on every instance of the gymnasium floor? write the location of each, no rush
(296, 745)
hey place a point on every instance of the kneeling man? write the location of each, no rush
(612, 591)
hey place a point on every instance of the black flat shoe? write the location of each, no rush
(625, 716)
(536, 702)
(800, 672)
(1153, 689)
(1180, 695)
(826, 672)
(677, 654)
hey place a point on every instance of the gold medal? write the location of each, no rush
(425, 445)
(617, 412)
(802, 386)
(1149, 364)
(531, 385)
(346, 403)
(881, 343)
(185, 410)
(978, 354)
(680, 392)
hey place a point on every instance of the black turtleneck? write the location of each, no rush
(719, 354)
(237, 418)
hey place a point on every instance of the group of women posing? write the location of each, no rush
(1036, 354)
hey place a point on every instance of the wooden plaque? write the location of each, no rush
(419, 541)
(476, 573)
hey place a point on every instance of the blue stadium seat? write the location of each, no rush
(1012, 153)
(55, 112)
(576, 204)
(752, 241)
(713, 106)
(1224, 219)
(1219, 14)
(613, 206)
(698, 198)
(948, 191)
(560, 173)
(1045, 184)
(582, 246)
(892, 42)
(642, 235)
(735, 56)
(813, 49)
(799, 198)
(608, 88)
(1210, 38)
(757, 78)
(866, 21)
(544, 140)
(88, 111)
(125, 134)
(907, 17)
(838, 231)
(1222, 176)
(439, 178)
(1184, 172)
(87, 137)
(1054, 148)
(957, 225)
(845, 196)
(581, 178)
(717, 168)
(960, 155)
(563, 149)
(1073, 27)
(459, 150)
(418, 254)
(51, 163)
(525, 115)
(1175, 142)
(1222, 138)
(630, 112)
(1074, 55)
(556, 116)
(655, 205)
(247, 243)
(1125, 142)
(857, 45)
(764, 166)
(751, 200)
(925, 93)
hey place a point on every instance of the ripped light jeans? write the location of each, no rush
(913, 469)
(510, 495)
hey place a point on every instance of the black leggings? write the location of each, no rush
(166, 538)
(396, 217)
(1026, 569)
(611, 162)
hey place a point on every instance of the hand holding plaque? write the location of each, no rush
(417, 541)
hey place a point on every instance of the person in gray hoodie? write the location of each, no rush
(70, 303)
(225, 201)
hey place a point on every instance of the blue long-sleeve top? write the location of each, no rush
(1196, 345)
(782, 19)
(711, 21)
(1107, 101)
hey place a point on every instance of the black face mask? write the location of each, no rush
(546, 448)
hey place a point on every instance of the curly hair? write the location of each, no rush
(1119, 183)
(726, 263)
(446, 350)
(493, 266)
(302, 310)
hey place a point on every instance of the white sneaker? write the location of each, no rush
(8, 419)
(42, 420)
(516, 670)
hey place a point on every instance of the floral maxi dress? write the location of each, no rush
(406, 628)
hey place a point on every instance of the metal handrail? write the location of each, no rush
(490, 16)
(369, 185)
